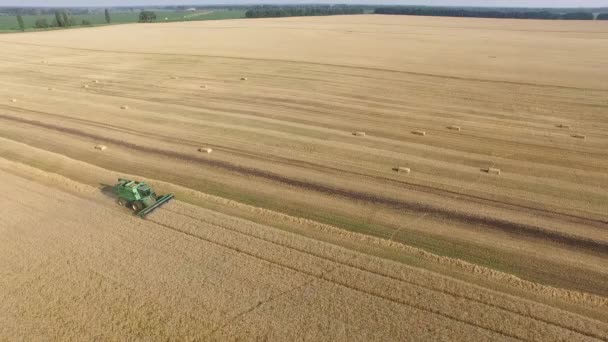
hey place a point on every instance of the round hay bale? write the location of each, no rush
(96, 81)
(492, 170)
(101, 147)
(205, 150)
(204, 86)
(402, 169)
(359, 134)
(174, 77)
(13, 100)
(85, 86)
(50, 88)
(244, 78)
(579, 136)
(124, 107)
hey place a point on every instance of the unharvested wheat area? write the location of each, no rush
(371, 178)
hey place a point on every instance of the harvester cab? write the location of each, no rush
(139, 196)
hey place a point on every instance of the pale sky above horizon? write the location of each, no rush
(489, 3)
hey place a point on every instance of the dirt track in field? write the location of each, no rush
(283, 146)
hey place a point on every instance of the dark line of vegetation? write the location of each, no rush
(578, 16)
(267, 11)
(481, 13)
(479, 220)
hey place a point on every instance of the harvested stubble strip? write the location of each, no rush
(422, 133)
(359, 134)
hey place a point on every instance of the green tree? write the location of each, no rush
(41, 23)
(602, 16)
(59, 19)
(107, 13)
(147, 16)
(66, 19)
(20, 22)
(85, 22)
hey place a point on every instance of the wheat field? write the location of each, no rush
(292, 226)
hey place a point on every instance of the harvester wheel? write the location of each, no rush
(121, 202)
(137, 206)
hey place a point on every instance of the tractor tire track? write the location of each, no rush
(353, 265)
(323, 277)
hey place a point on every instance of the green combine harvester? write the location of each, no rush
(139, 196)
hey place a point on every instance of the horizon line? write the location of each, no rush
(305, 3)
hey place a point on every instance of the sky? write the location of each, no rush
(498, 3)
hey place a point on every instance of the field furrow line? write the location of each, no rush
(391, 136)
(297, 62)
(342, 284)
(231, 225)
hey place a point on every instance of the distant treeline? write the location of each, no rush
(41, 10)
(273, 11)
(268, 11)
(481, 13)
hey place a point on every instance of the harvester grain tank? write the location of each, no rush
(139, 196)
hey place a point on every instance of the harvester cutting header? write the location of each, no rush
(139, 196)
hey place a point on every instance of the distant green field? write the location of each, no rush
(9, 23)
